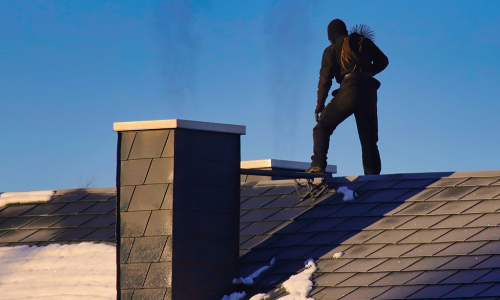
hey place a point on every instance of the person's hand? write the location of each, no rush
(318, 111)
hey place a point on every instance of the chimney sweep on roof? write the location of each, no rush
(352, 59)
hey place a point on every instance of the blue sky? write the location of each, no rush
(69, 69)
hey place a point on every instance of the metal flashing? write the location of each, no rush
(282, 164)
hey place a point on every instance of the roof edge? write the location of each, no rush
(104, 190)
(68, 191)
(397, 176)
(25, 197)
(424, 175)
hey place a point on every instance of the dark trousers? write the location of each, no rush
(360, 99)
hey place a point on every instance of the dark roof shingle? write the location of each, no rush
(407, 236)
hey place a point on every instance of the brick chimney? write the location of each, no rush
(178, 196)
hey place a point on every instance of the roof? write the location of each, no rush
(406, 236)
(74, 215)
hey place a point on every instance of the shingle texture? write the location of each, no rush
(77, 215)
(407, 236)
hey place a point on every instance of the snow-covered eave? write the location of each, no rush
(25, 197)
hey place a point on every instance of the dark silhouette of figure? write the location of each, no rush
(352, 60)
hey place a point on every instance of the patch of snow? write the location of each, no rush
(260, 297)
(300, 285)
(58, 272)
(25, 197)
(338, 255)
(234, 296)
(249, 279)
(348, 194)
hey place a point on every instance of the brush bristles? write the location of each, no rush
(363, 30)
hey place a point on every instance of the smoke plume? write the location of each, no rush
(179, 51)
(288, 37)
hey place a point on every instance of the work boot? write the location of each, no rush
(316, 170)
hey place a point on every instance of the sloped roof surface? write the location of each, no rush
(408, 236)
(71, 216)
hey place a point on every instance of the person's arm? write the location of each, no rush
(326, 75)
(379, 60)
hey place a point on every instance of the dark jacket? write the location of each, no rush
(331, 65)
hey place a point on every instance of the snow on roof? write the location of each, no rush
(399, 231)
(58, 272)
(298, 286)
(25, 197)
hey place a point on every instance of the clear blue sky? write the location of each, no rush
(69, 69)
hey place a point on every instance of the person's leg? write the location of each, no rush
(334, 113)
(367, 123)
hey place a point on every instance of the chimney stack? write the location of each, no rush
(178, 187)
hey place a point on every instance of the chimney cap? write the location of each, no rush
(178, 123)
